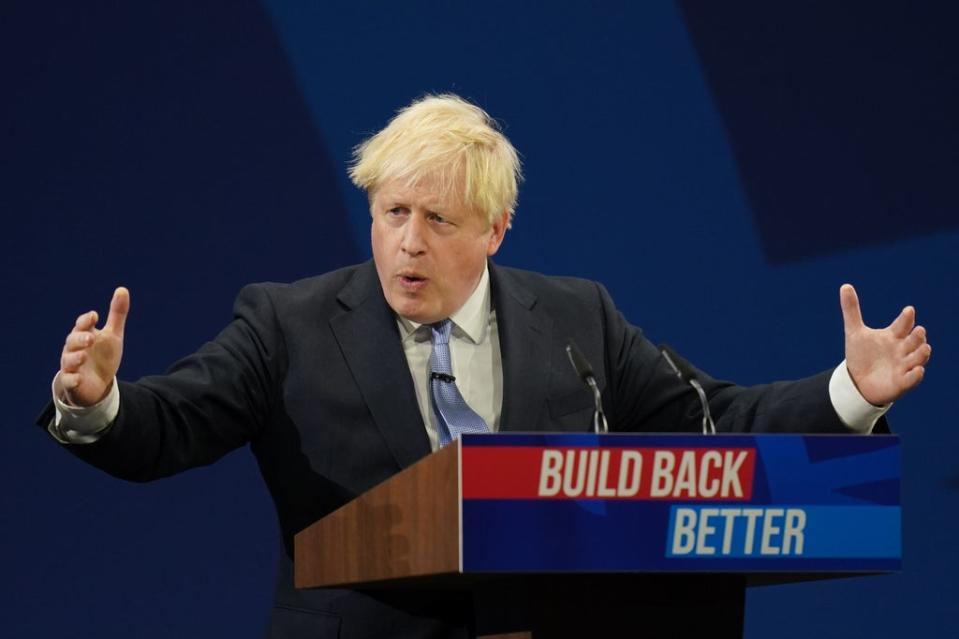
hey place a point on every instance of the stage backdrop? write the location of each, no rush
(721, 167)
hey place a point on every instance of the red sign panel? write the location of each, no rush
(714, 474)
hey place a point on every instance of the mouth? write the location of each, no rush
(412, 281)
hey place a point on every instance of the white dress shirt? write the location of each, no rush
(477, 362)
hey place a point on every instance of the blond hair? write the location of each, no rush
(450, 141)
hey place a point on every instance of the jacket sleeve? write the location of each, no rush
(644, 394)
(205, 406)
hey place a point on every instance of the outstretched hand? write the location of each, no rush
(884, 363)
(91, 356)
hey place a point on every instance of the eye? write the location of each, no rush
(439, 219)
(397, 211)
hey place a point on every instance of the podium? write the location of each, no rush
(563, 535)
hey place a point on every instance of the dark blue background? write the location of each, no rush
(721, 167)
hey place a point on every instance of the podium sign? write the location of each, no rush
(679, 503)
(579, 535)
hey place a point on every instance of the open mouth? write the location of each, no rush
(412, 281)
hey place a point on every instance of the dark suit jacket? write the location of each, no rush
(313, 376)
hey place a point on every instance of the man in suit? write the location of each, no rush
(341, 380)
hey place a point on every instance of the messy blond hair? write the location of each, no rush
(454, 143)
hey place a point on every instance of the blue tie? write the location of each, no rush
(453, 414)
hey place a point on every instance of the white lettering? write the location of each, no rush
(591, 475)
(793, 536)
(730, 515)
(684, 535)
(707, 487)
(604, 489)
(731, 473)
(569, 488)
(766, 547)
(662, 483)
(686, 477)
(550, 479)
(750, 514)
(705, 530)
(629, 484)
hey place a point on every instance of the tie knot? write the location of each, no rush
(441, 331)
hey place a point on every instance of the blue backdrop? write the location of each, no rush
(722, 168)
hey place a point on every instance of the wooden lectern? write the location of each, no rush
(615, 535)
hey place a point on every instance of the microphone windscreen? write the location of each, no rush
(579, 361)
(677, 363)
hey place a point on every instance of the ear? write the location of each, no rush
(497, 233)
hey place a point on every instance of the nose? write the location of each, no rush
(414, 236)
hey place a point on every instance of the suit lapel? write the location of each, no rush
(370, 341)
(525, 334)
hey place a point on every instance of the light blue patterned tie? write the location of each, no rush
(453, 414)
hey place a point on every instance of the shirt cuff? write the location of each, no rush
(82, 424)
(852, 408)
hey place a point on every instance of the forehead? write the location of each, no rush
(430, 192)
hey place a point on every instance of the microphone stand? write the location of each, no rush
(585, 372)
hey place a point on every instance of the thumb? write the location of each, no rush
(849, 301)
(119, 309)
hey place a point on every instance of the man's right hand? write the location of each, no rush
(91, 356)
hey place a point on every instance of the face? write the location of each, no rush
(429, 251)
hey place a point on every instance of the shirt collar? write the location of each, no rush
(472, 318)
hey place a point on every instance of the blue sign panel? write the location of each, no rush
(683, 503)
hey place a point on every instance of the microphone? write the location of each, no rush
(585, 372)
(687, 375)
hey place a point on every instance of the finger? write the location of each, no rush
(87, 321)
(913, 377)
(119, 309)
(71, 362)
(849, 301)
(901, 326)
(918, 357)
(70, 380)
(915, 339)
(78, 340)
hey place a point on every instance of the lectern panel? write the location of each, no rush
(681, 503)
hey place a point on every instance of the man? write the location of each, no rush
(339, 381)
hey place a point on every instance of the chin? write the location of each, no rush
(414, 311)
(421, 317)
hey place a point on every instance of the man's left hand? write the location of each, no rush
(884, 363)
